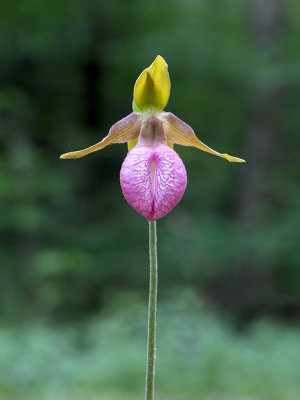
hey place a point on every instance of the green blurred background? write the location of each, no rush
(73, 258)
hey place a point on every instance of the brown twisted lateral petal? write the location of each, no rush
(122, 131)
(179, 132)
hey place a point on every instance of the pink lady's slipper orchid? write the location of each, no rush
(153, 177)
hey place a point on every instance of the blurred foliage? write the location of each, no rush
(199, 357)
(68, 237)
(69, 241)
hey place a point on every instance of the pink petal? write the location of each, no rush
(153, 180)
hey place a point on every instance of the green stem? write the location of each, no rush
(152, 308)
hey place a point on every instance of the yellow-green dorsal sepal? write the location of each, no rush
(152, 88)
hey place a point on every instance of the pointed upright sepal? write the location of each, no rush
(125, 130)
(152, 88)
(179, 132)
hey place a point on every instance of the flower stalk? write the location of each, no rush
(152, 310)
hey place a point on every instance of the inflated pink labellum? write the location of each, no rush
(153, 180)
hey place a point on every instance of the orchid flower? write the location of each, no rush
(153, 177)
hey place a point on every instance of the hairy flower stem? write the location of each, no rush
(152, 308)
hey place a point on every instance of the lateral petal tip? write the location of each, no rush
(233, 159)
(66, 156)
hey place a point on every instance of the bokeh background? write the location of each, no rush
(73, 257)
